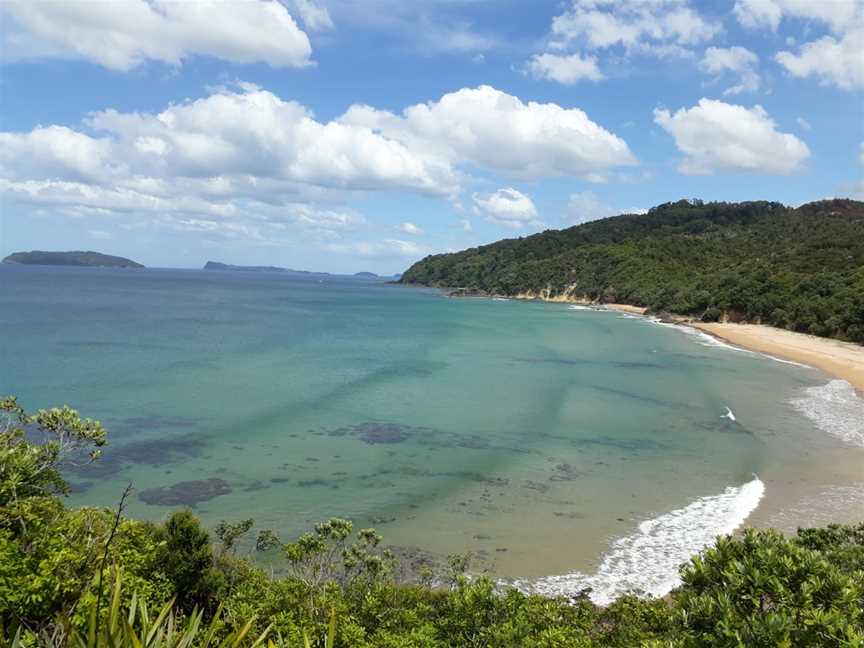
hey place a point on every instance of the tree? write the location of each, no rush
(187, 560)
(763, 589)
(33, 449)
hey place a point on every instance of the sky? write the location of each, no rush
(363, 135)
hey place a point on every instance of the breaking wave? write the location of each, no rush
(836, 409)
(648, 560)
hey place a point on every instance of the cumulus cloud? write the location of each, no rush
(507, 207)
(832, 59)
(717, 136)
(227, 139)
(649, 26)
(122, 34)
(489, 128)
(410, 228)
(736, 60)
(659, 28)
(564, 69)
(251, 163)
(838, 62)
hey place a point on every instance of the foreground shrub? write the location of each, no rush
(759, 589)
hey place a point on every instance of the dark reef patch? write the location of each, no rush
(150, 452)
(187, 493)
(140, 424)
(375, 433)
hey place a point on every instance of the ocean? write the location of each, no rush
(563, 447)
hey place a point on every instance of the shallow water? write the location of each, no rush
(536, 435)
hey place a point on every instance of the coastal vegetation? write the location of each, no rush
(92, 577)
(86, 259)
(759, 262)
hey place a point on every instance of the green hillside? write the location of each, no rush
(761, 262)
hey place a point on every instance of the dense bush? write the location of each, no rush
(757, 589)
(801, 269)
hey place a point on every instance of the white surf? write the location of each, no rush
(648, 561)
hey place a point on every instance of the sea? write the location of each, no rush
(563, 447)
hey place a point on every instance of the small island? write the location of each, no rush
(366, 275)
(75, 258)
(216, 265)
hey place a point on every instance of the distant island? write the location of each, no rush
(800, 269)
(76, 258)
(216, 265)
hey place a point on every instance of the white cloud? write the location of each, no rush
(716, 136)
(737, 60)
(465, 225)
(507, 207)
(804, 124)
(410, 228)
(838, 62)
(183, 210)
(100, 235)
(385, 248)
(252, 163)
(226, 138)
(122, 34)
(489, 128)
(314, 16)
(649, 26)
(833, 59)
(56, 151)
(564, 69)
(837, 14)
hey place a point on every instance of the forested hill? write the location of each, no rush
(801, 269)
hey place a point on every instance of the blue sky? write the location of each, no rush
(349, 135)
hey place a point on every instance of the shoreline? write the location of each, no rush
(843, 360)
(839, 359)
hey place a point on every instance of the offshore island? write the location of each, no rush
(77, 258)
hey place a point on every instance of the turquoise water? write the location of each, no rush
(531, 434)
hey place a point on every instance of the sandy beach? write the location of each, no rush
(841, 359)
(627, 308)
